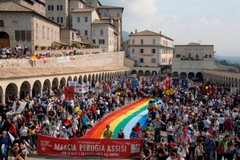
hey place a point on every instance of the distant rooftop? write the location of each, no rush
(13, 7)
(148, 33)
(83, 10)
(112, 7)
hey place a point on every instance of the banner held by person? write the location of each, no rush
(86, 147)
(21, 107)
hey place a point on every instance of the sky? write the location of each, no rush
(211, 22)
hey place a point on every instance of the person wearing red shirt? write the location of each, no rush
(138, 129)
(13, 129)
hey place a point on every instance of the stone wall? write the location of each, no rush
(114, 59)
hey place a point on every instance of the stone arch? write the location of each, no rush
(154, 73)
(75, 79)
(92, 83)
(62, 83)
(199, 76)
(175, 74)
(232, 82)
(166, 69)
(236, 83)
(97, 78)
(80, 80)
(85, 79)
(100, 77)
(134, 72)
(183, 75)
(140, 72)
(93, 78)
(125, 73)
(55, 84)
(11, 90)
(46, 86)
(108, 76)
(105, 77)
(191, 75)
(1, 94)
(89, 78)
(147, 73)
(25, 89)
(69, 78)
(36, 89)
(4, 39)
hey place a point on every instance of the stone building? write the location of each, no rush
(23, 26)
(88, 18)
(190, 60)
(41, 23)
(150, 49)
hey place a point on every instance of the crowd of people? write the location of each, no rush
(198, 125)
(192, 124)
(24, 52)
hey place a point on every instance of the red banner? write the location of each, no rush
(167, 84)
(85, 147)
(69, 93)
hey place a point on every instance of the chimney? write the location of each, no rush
(160, 32)
(135, 30)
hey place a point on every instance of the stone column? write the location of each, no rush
(3, 98)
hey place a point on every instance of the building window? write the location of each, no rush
(94, 41)
(59, 7)
(50, 7)
(133, 51)
(86, 32)
(43, 32)
(60, 19)
(1, 23)
(153, 60)
(86, 19)
(163, 60)
(141, 50)
(101, 32)
(153, 50)
(29, 35)
(52, 35)
(23, 35)
(37, 30)
(142, 42)
(118, 14)
(72, 36)
(101, 41)
(141, 60)
(48, 34)
(154, 41)
(17, 35)
(78, 19)
(133, 42)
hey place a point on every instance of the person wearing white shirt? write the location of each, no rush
(174, 156)
(183, 149)
(216, 124)
(221, 120)
(206, 123)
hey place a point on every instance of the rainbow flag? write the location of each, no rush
(125, 118)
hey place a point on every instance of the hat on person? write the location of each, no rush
(121, 129)
(185, 129)
(63, 127)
